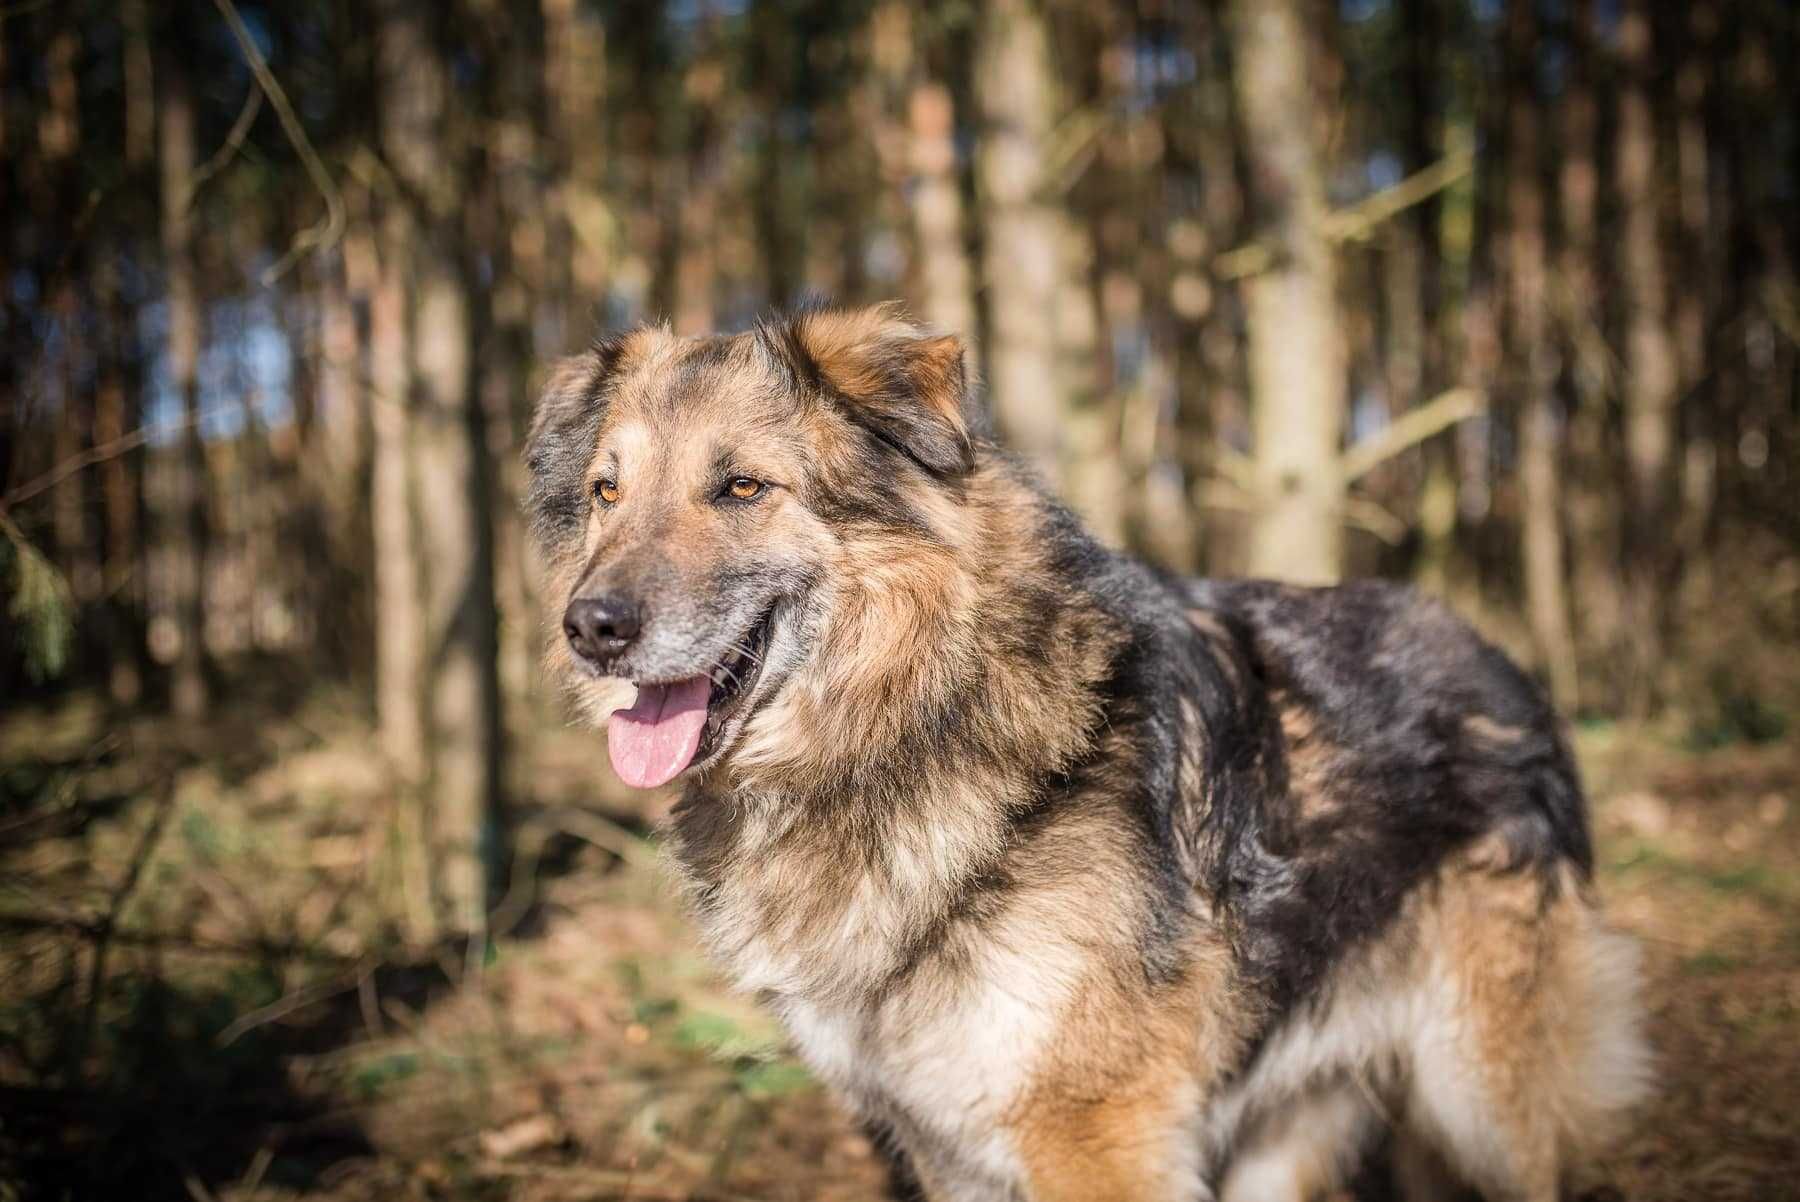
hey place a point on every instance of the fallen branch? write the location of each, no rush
(1411, 428)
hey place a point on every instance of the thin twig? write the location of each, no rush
(123, 444)
(331, 227)
(228, 149)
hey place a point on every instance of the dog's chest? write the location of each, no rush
(952, 1074)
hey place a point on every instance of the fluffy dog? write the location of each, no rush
(1080, 880)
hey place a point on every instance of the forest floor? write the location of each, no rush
(206, 990)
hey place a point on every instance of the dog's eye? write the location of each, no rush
(606, 492)
(743, 488)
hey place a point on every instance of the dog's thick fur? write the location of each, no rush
(1082, 881)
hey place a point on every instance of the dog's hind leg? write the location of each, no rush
(1303, 1149)
(1525, 1049)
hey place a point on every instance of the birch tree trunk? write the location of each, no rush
(1296, 356)
(1022, 266)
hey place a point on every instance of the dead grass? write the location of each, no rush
(260, 1027)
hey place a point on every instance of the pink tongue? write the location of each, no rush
(656, 738)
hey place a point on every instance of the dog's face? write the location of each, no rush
(694, 496)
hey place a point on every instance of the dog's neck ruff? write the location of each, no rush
(883, 783)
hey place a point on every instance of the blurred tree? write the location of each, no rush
(1532, 360)
(1132, 212)
(1022, 262)
(446, 440)
(1651, 369)
(1298, 400)
(946, 291)
(1587, 359)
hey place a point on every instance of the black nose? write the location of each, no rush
(600, 628)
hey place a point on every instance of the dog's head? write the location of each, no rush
(706, 505)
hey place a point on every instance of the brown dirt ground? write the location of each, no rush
(263, 1026)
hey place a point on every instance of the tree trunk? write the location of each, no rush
(188, 532)
(1421, 323)
(1592, 525)
(445, 428)
(1695, 300)
(575, 87)
(696, 264)
(1650, 360)
(1296, 357)
(946, 291)
(1022, 265)
(1533, 363)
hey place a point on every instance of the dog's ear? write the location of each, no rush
(564, 428)
(900, 380)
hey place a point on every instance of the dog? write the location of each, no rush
(1076, 879)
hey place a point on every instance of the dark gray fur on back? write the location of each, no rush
(1432, 739)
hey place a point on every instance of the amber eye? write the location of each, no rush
(744, 488)
(606, 492)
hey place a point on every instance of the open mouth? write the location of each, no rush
(732, 679)
(675, 724)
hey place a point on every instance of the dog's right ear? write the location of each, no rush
(564, 428)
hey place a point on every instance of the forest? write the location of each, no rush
(308, 884)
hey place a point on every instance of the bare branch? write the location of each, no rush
(1359, 220)
(1411, 428)
(1377, 519)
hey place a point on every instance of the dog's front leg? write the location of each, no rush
(1138, 1147)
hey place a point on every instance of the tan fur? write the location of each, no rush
(1548, 1045)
